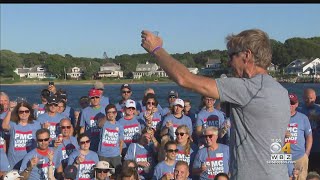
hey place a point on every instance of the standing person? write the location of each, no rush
(250, 91)
(104, 101)
(41, 108)
(102, 171)
(4, 165)
(22, 126)
(175, 119)
(126, 93)
(36, 163)
(187, 150)
(141, 105)
(111, 143)
(165, 169)
(65, 144)
(312, 111)
(144, 153)
(51, 118)
(172, 96)
(89, 119)
(131, 125)
(212, 159)
(84, 159)
(4, 103)
(68, 111)
(181, 171)
(208, 116)
(299, 135)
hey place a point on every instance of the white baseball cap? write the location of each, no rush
(12, 175)
(130, 103)
(179, 102)
(104, 165)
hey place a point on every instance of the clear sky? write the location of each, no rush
(88, 30)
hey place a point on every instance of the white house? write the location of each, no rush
(110, 70)
(37, 71)
(194, 70)
(75, 73)
(304, 67)
(213, 64)
(148, 69)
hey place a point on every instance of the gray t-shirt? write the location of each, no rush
(260, 114)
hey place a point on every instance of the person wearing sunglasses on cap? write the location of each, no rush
(36, 163)
(103, 170)
(165, 169)
(51, 118)
(111, 141)
(90, 117)
(65, 144)
(22, 126)
(213, 158)
(84, 159)
(125, 92)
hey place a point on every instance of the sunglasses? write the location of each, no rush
(152, 103)
(85, 142)
(206, 136)
(95, 97)
(181, 134)
(172, 97)
(102, 170)
(65, 127)
(132, 108)
(124, 92)
(26, 111)
(292, 103)
(41, 140)
(111, 112)
(53, 104)
(172, 150)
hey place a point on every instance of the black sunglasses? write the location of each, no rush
(181, 134)
(102, 170)
(210, 136)
(152, 103)
(84, 142)
(65, 127)
(95, 97)
(172, 150)
(292, 103)
(126, 92)
(26, 111)
(54, 104)
(41, 140)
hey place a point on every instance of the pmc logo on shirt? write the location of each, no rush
(280, 154)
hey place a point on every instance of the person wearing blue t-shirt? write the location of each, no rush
(131, 125)
(312, 111)
(100, 87)
(299, 136)
(177, 118)
(41, 108)
(165, 169)
(84, 159)
(208, 116)
(172, 96)
(181, 171)
(4, 165)
(212, 159)
(125, 92)
(22, 128)
(51, 119)
(111, 140)
(38, 162)
(65, 144)
(141, 105)
(90, 117)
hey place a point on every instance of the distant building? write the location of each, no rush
(272, 67)
(148, 69)
(304, 67)
(75, 73)
(212, 66)
(110, 70)
(37, 71)
(194, 70)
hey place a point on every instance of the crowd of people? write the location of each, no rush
(239, 124)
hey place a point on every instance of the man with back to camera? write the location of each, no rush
(259, 104)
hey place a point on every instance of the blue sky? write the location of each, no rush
(88, 30)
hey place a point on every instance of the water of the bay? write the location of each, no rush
(32, 92)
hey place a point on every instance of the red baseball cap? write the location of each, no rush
(293, 98)
(94, 92)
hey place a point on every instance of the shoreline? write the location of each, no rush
(84, 83)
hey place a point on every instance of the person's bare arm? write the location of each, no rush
(309, 140)
(176, 70)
